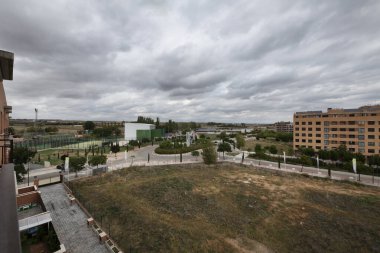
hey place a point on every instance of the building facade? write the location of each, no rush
(283, 127)
(357, 129)
(130, 130)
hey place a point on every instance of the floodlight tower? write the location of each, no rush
(35, 121)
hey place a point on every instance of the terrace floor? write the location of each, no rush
(70, 222)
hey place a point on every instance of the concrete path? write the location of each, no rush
(70, 222)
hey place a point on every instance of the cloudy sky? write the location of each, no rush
(226, 61)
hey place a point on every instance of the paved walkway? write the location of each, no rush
(70, 222)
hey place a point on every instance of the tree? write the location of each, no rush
(240, 142)
(258, 149)
(147, 120)
(21, 155)
(11, 131)
(157, 123)
(89, 125)
(223, 135)
(115, 148)
(171, 126)
(307, 151)
(98, 159)
(224, 147)
(209, 155)
(195, 153)
(77, 164)
(273, 149)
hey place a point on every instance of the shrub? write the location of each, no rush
(209, 155)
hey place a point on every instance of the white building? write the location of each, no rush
(130, 130)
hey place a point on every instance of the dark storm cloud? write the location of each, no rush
(240, 61)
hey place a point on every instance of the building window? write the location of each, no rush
(326, 123)
(361, 150)
(310, 129)
(361, 130)
(318, 129)
(318, 123)
(326, 136)
(361, 122)
(371, 151)
(371, 144)
(303, 140)
(318, 135)
(310, 135)
(297, 140)
(297, 129)
(297, 134)
(343, 129)
(371, 122)
(351, 122)
(351, 136)
(303, 123)
(318, 141)
(371, 129)
(342, 136)
(310, 141)
(310, 123)
(326, 130)
(297, 123)
(326, 142)
(351, 129)
(361, 137)
(303, 129)
(334, 129)
(303, 134)
(361, 144)
(351, 143)
(351, 149)
(318, 147)
(371, 137)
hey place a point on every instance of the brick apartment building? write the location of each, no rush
(283, 127)
(357, 129)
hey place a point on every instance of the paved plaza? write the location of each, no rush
(70, 222)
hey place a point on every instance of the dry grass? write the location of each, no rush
(281, 146)
(232, 208)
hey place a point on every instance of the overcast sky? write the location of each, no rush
(225, 61)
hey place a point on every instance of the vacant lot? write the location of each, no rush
(231, 208)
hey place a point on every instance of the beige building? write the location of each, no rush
(283, 127)
(357, 129)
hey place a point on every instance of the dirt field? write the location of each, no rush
(231, 208)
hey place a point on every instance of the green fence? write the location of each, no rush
(63, 141)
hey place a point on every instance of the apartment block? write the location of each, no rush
(283, 127)
(357, 129)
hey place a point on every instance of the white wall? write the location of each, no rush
(131, 128)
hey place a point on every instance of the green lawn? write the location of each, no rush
(281, 146)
